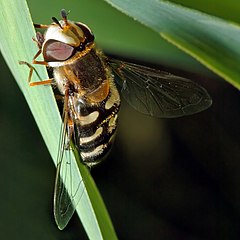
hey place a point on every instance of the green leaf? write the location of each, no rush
(16, 45)
(212, 41)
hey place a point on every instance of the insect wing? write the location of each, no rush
(68, 184)
(158, 93)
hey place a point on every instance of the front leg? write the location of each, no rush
(32, 68)
(36, 25)
(39, 40)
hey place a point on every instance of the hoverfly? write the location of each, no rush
(87, 81)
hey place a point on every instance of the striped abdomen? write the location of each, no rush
(95, 127)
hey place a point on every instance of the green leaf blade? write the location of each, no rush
(212, 41)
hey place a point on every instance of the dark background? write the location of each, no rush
(165, 179)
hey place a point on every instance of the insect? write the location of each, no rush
(89, 84)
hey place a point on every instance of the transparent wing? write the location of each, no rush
(158, 93)
(68, 184)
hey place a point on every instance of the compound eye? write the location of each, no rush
(57, 51)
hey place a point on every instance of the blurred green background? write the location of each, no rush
(165, 179)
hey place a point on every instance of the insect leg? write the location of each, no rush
(39, 40)
(44, 82)
(70, 131)
(39, 62)
(36, 25)
(68, 117)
